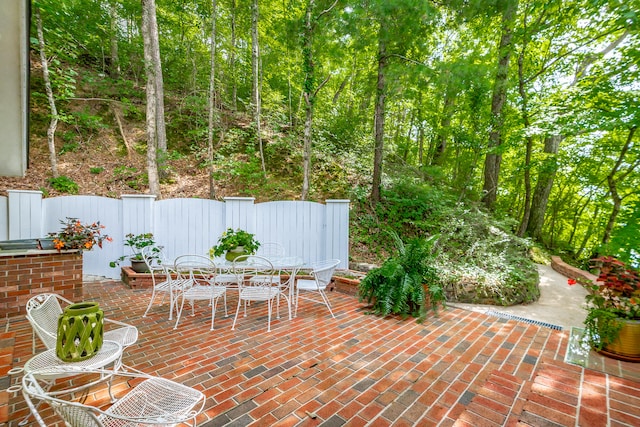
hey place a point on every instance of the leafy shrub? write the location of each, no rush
(64, 184)
(97, 170)
(478, 258)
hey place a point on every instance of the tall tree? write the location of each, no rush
(53, 123)
(151, 56)
(551, 146)
(114, 67)
(496, 132)
(309, 91)
(212, 99)
(255, 71)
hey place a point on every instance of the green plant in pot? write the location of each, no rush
(136, 243)
(406, 283)
(234, 243)
(76, 235)
(612, 324)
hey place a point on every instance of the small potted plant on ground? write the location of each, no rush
(136, 243)
(75, 235)
(234, 243)
(612, 325)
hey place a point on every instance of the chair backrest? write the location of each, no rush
(195, 267)
(180, 403)
(271, 250)
(257, 268)
(43, 311)
(323, 270)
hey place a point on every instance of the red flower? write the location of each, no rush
(571, 282)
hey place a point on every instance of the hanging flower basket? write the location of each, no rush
(80, 331)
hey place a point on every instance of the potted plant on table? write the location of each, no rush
(75, 235)
(612, 325)
(234, 243)
(136, 243)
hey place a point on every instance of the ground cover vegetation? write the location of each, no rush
(493, 125)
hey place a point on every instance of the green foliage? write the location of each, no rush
(96, 170)
(69, 147)
(136, 243)
(64, 184)
(231, 239)
(478, 258)
(399, 285)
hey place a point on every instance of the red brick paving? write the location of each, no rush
(459, 369)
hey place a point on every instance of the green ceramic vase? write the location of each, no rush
(232, 254)
(80, 331)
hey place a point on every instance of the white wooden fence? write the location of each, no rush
(313, 231)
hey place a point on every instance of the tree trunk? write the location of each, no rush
(161, 133)
(255, 68)
(445, 124)
(114, 68)
(232, 58)
(151, 120)
(379, 116)
(529, 147)
(212, 99)
(53, 124)
(494, 156)
(308, 88)
(612, 182)
(543, 187)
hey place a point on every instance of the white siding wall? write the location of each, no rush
(313, 231)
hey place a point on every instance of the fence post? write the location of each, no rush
(240, 212)
(337, 226)
(25, 214)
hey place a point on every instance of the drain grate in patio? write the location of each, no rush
(524, 319)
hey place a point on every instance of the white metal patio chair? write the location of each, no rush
(199, 277)
(164, 279)
(255, 283)
(321, 273)
(44, 309)
(143, 400)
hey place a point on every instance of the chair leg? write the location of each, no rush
(178, 314)
(326, 302)
(237, 312)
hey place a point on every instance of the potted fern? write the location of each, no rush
(405, 284)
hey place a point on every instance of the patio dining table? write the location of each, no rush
(289, 265)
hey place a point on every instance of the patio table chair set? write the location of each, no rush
(256, 278)
(148, 400)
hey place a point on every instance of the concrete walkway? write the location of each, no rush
(559, 304)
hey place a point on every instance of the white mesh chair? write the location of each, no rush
(164, 278)
(255, 283)
(143, 400)
(199, 277)
(322, 272)
(43, 311)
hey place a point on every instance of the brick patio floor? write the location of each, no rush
(459, 369)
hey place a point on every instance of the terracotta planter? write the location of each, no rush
(628, 343)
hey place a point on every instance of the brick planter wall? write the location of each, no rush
(23, 275)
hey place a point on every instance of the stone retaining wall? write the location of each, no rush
(570, 271)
